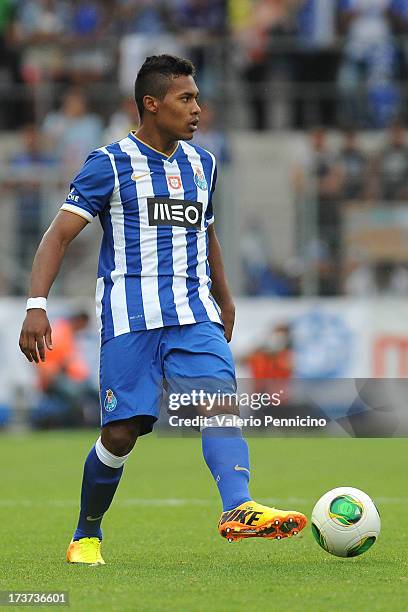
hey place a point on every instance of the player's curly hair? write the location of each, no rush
(153, 78)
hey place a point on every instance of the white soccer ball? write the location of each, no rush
(345, 522)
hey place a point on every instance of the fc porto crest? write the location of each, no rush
(174, 182)
(110, 402)
(199, 179)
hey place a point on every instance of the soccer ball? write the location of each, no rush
(345, 522)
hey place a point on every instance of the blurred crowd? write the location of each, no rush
(352, 186)
(354, 52)
(67, 71)
(330, 60)
(67, 394)
(96, 43)
(351, 215)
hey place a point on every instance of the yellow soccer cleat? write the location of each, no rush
(252, 520)
(86, 551)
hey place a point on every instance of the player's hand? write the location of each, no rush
(228, 318)
(35, 335)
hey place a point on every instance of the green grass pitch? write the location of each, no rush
(161, 543)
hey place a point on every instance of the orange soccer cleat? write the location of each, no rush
(252, 520)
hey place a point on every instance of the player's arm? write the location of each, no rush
(219, 288)
(90, 192)
(47, 262)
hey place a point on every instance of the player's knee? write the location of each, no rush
(120, 437)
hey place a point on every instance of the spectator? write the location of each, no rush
(315, 167)
(73, 132)
(316, 183)
(316, 23)
(399, 18)
(316, 61)
(26, 176)
(69, 397)
(392, 166)
(208, 16)
(211, 137)
(273, 359)
(87, 17)
(383, 278)
(266, 21)
(254, 257)
(41, 24)
(260, 277)
(353, 168)
(199, 23)
(122, 121)
(144, 16)
(271, 366)
(89, 52)
(145, 27)
(10, 114)
(369, 64)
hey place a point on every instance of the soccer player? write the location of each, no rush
(160, 317)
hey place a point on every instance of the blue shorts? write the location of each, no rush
(134, 367)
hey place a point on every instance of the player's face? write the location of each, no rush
(178, 112)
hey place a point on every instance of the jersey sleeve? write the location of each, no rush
(209, 213)
(91, 189)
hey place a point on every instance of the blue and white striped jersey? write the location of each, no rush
(154, 210)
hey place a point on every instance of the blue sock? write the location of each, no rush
(99, 484)
(226, 454)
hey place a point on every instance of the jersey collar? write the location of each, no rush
(151, 151)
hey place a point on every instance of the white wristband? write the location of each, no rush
(37, 302)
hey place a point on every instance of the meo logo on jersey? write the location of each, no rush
(179, 213)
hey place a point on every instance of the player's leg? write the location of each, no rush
(129, 407)
(190, 363)
(102, 472)
(226, 454)
(204, 355)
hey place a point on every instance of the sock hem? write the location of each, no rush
(237, 506)
(108, 458)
